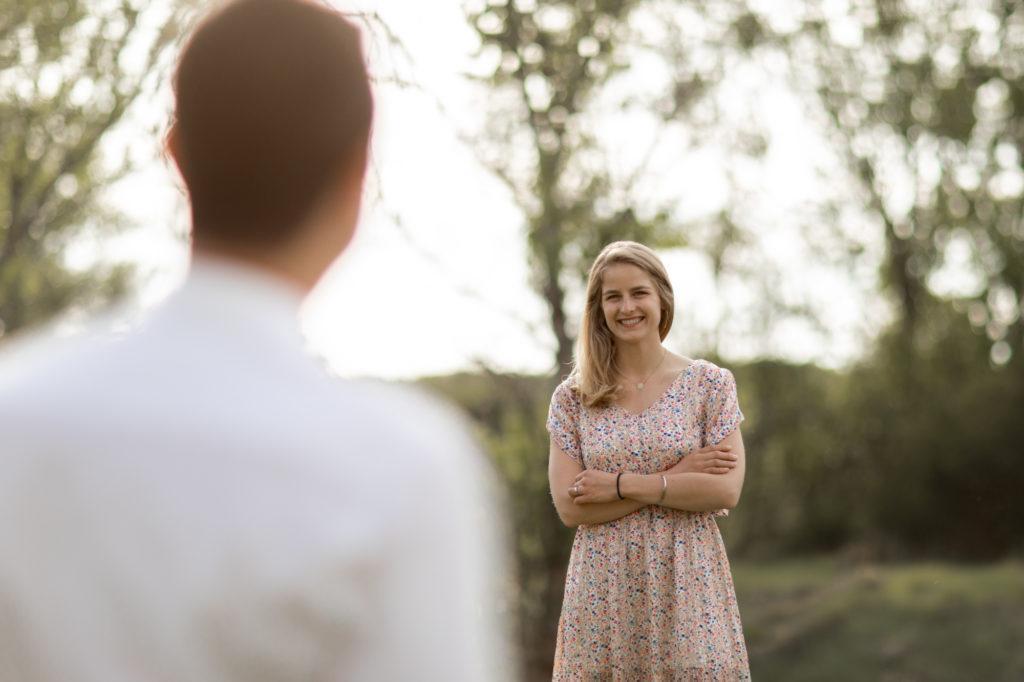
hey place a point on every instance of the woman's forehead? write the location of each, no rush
(624, 276)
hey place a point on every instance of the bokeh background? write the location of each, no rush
(836, 187)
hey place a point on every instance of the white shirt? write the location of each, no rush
(198, 500)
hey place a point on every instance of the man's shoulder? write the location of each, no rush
(103, 387)
(45, 359)
(393, 442)
(405, 416)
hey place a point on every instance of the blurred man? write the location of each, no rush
(197, 500)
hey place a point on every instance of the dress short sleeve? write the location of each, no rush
(564, 420)
(721, 405)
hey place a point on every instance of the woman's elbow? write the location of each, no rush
(731, 499)
(568, 520)
(566, 516)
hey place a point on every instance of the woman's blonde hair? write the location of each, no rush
(595, 371)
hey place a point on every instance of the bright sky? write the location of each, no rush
(446, 284)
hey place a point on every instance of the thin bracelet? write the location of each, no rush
(617, 486)
(664, 488)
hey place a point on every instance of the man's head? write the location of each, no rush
(272, 119)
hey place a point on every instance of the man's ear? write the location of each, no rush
(355, 171)
(172, 144)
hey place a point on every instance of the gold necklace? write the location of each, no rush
(640, 385)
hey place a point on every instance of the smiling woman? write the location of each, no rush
(645, 452)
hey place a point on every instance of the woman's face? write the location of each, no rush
(630, 301)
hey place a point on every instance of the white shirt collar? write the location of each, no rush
(234, 290)
(245, 282)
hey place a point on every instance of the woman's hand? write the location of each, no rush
(593, 486)
(714, 459)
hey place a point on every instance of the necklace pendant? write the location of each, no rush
(640, 387)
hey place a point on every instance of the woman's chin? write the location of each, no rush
(636, 336)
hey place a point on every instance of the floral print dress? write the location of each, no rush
(650, 596)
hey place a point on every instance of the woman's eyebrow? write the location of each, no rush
(641, 287)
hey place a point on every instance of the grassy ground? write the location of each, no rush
(818, 619)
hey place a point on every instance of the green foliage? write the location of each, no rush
(794, 496)
(914, 452)
(34, 288)
(69, 71)
(940, 431)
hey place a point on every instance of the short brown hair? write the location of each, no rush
(272, 100)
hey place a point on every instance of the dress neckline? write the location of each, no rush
(664, 393)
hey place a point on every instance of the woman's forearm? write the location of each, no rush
(601, 512)
(687, 491)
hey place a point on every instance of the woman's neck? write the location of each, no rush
(635, 359)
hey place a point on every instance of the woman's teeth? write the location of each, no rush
(631, 322)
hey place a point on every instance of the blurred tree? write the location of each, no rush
(797, 495)
(69, 71)
(926, 103)
(552, 59)
(939, 461)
